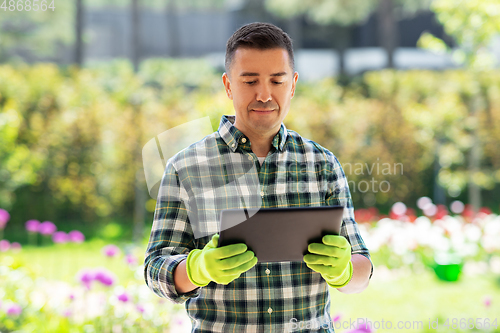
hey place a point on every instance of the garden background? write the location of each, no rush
(419, 147)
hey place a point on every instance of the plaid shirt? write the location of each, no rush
(270, 297)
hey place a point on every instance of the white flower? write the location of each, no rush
(495, 264)
(472, 232)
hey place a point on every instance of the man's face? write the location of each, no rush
(261, 84)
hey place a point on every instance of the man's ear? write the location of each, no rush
(227, 85)
(294, 82)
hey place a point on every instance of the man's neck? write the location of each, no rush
(261, 143)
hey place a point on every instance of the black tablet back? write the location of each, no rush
(279, 234)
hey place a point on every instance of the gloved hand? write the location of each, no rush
(332, 259)
(219, 264)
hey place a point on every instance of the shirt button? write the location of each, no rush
(262, 193)
(233, 145)
(244, 140)
(250, 157)
(268, 271)
(270, 310)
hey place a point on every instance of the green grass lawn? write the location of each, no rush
(394, 296)
(420, 297)
(63, 261)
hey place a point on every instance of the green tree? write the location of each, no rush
(18, 165)
(37, 31)
(472, 24)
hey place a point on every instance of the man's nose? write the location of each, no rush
(263, 93)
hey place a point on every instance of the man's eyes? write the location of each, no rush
(253, 82)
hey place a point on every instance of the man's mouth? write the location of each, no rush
(263, 110)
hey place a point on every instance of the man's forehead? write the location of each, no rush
(254, 62)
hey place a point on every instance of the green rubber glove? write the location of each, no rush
(219, 264)
(332, 259)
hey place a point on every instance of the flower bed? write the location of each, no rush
(110, 294)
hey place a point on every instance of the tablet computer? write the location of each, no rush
(279, 234)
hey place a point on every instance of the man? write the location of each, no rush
(226, 289)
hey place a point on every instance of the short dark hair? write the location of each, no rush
(258, 35)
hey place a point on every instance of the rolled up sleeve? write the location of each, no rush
(170, 241)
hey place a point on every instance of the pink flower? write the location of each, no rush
(106, 280)
(4, 245)
(430, 210)
(487, 301)
(123, 297)
(67, 313)
(60, 237)
(15, 246)
(47, 228)
(86, 276)
(399, 208)
(140, 308)
(32, 225)
(14, 310)
(110, 250)
(76, 236)
(4, 218)
(457, 207)
(131, 259)
(105, 277)
(423, 202)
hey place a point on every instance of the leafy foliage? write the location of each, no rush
(72, 139)
(37, 31)
(472, 24)
(412, 118)
(78, 134)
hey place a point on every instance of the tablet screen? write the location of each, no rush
(279, 234)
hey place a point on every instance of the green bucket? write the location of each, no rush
(448, 267)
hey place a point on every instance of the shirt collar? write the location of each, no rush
(232, 136)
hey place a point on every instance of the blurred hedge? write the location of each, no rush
(70, 140)
(421, 119)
